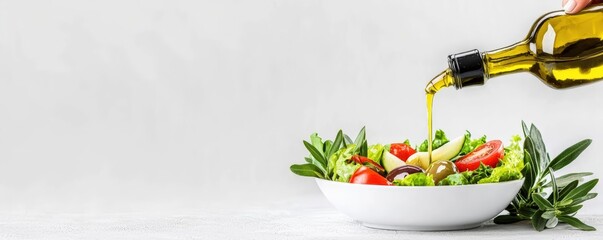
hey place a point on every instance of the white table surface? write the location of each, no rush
(307, 218)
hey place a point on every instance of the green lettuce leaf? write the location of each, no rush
(317, 142)
(510, 166)
(439, 140)
(454, 179)
(375, 152)
(514, 154)
(480, 173)
(502, 174)
(471, 144)
(415, 179)
(340, 168)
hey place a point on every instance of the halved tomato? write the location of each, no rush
(489, 154)
(365, 175)
(401, 150)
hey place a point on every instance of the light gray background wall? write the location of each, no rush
(175, 105)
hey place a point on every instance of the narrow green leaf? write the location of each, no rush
(327, 146)
(532, 160)
(527, 211)
(518, 199)
(335, 147)
(528, 146)
(528, 173)
(512, 207)
(576, 223)
(582, 190)
(565, 202)
(315, 153)
(542, 181)
(526, 131)
(360, 138)
(507, 219)
(537, 221)
(347, 140)
(542, 203)
(554, 190)
(570, 210)
(309, 159)
(569, 155)
(539, 147)
(584, 198)
(525, 188)
(364, 149)
(317, 164)
(568, 178)
(567, 189)
(306, 170)
(546, 169)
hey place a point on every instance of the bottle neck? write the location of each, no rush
(473, 68)
(511, 59)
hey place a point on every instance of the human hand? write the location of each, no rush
(575, 6)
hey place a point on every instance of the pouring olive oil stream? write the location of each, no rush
(561, 50)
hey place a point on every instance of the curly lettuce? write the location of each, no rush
(478, 174)
(375, 152)
(415, 179)
(510, 166)
(471, 144)
(453, 180)
(502, 174)
(514, 154)
(439, 140)
(340, 168)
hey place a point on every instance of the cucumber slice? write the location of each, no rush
(390, 161)
(419, 159)
(448, 150)
(445, 152)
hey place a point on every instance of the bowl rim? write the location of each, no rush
(420, 187)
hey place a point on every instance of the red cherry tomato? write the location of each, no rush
(489, 154)
(365, 175)
(401, 150)
(364, 161)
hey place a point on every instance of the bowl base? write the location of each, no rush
(420, 228)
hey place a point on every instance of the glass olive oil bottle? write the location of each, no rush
(561, 50)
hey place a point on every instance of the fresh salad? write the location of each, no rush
(460, 161)
(544, 198)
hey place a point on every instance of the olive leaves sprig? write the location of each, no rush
(320, 152)
(544, 199)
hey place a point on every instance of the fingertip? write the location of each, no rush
(563, 3)
(574, 6)
(569, 6)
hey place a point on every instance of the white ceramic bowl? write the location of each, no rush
(420, 208)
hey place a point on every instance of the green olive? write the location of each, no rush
(441, 169)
